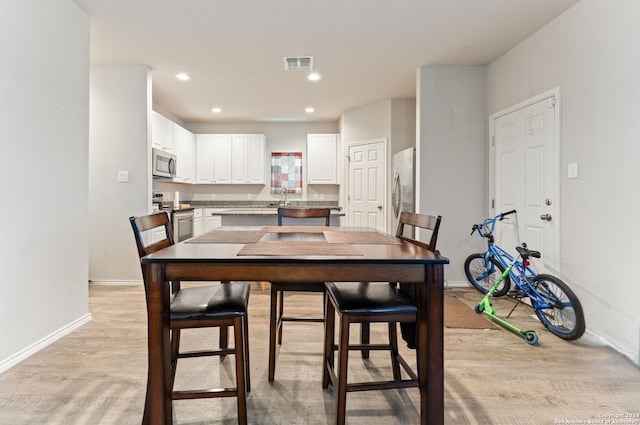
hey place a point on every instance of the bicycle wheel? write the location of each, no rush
(562, 314)
(483, 276)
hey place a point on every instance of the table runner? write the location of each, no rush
(229, 236)
(378, 238)
(297, 248)
(295, 229)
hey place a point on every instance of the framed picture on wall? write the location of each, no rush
(286, 172)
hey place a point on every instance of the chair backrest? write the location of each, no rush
(150, 222)
(305, 213)
(422, 221)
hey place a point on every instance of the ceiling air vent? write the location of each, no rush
(298, 63)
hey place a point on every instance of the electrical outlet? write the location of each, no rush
(123, 176)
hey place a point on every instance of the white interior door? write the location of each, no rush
(366, 192)
(526, 178)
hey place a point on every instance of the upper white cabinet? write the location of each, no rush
(163, 133)
(322, 158)
(248, 158)
(186, 155)
(230, 158)
(213, 164)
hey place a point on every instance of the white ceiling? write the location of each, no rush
(365, 50)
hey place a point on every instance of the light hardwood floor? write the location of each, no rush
(97, 374)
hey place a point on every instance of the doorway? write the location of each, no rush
(366, 192)
(525, 176)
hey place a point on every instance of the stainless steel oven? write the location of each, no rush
(182, 224)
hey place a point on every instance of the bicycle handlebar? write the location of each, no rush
(503, 215)
(491, 222)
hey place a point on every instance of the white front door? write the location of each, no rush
(366, 192)
(526, 171)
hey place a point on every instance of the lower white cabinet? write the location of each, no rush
(211, 219)
(198, 227)
(158, 234)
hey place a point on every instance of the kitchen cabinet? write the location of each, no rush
(163, 133)
(211, 219)
(322, 158)
(185, 154)
(248, 158)
(198, 226)
(158, 234)
(213, 164)
(230, 158)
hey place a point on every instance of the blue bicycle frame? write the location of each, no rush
(521, 274)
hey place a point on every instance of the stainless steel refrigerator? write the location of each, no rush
(403, 197)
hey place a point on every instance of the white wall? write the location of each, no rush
(391, 119)
(451, 157)
(592, 53)
(119, 141)
(44, 103)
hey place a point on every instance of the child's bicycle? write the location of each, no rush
(492, 272)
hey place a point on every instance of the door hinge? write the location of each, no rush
(552, 102)
(348, 158)
(493, 204)
(493, 140)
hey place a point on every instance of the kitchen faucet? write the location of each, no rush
(286, 202)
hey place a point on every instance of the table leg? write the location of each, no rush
(431, 346)
(159, 348)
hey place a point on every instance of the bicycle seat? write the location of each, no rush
(526, 253)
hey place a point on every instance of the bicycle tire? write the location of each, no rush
(567, 322)
(474, 267)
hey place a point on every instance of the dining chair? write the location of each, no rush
(278, 289)
(218, 305)
(372, 302)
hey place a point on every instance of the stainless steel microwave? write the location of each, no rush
(164, 164)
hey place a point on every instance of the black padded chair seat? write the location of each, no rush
(367, 298)
(224, 301)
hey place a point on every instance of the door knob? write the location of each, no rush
(546, 217)
(380, 207)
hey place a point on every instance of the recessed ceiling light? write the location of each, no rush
(314, 76)
(309, 110)
(216, 110)
(182, 76)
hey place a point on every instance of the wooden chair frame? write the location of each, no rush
(339, 380)
(238, 322)
(278, 289)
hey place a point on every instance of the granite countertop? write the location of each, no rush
(262, 211)
(240, 208)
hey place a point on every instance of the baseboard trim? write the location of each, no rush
(115, 282)
(43, 343)
(456, 284)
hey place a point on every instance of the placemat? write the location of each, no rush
(379, 238)
(297, 248)
(295, 229)
(228, 236)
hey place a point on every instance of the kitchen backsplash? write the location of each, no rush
(245, 194)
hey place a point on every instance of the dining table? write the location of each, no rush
(298, 254)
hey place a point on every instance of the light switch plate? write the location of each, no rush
(572, 170)
(123, 176)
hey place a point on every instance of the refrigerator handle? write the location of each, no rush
(396, 195)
